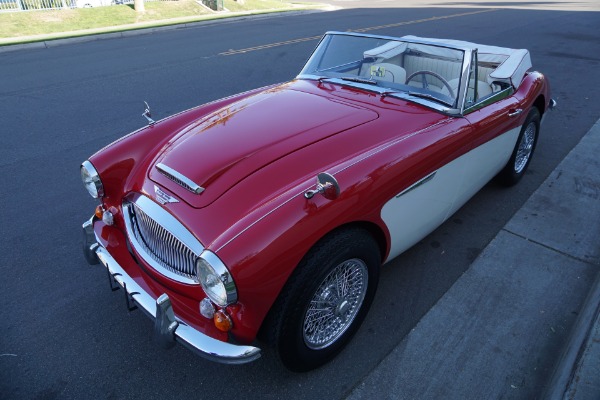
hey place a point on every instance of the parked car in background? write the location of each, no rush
(92, 3)
(269, 214)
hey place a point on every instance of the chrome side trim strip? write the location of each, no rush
(179, 178)
(417, 184)
(393, 143)
(203, 345)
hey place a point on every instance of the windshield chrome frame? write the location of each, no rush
(464, 75)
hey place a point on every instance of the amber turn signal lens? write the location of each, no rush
(222, 321)
(99, 212)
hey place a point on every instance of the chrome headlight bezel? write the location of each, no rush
(91, 180)
(215, 279)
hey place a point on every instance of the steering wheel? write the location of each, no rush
(426, 85)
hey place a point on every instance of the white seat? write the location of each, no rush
(483, 89)
(512, 63)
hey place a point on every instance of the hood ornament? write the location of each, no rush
(147, 115)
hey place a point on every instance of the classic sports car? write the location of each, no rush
(268, 214)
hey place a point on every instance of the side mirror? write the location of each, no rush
(327, 186)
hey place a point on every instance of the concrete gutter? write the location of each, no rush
(577, 375)
(500, 330)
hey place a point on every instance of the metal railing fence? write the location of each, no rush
(31, 5)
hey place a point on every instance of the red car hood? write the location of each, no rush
(223, 148)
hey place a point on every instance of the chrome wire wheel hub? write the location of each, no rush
(335, 304)
(525, 148)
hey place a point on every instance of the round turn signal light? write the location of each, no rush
(222, 321)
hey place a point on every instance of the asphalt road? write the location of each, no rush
(64, 334)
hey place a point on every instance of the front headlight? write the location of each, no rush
(91, 180)
(215, 279)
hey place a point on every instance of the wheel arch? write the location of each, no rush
(370, 227)
(540, 104)
(373, 229)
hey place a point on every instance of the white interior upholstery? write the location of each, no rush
(448, 69)
(393, 63)
(483, 89)
(512, 63)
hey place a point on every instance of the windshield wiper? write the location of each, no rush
(392, 93)
(428, 97)
(359, 80)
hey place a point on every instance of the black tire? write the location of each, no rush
(292, 319)
(523, 151)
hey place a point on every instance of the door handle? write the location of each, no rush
(513, 113)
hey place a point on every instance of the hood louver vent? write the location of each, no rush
(179, 179)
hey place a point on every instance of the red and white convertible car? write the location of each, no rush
(269, 214)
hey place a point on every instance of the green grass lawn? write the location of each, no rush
(19, 27)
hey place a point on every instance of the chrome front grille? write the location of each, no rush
(161, 240)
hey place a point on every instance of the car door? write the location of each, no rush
(495, 122)
(438, 169)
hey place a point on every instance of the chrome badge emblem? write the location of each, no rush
(162, 197)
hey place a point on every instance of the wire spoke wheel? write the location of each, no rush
(522, 153)
(325, 299)
(525, 147)
(335, 304)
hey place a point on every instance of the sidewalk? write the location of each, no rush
(508, 328)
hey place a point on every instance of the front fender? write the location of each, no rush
(271, 241)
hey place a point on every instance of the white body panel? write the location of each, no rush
(418, 210)
(484, 163)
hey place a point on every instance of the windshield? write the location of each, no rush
(395, 67)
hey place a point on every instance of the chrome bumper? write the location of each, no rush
(168, 329)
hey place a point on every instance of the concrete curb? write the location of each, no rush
(576, 356)
(45, 44)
